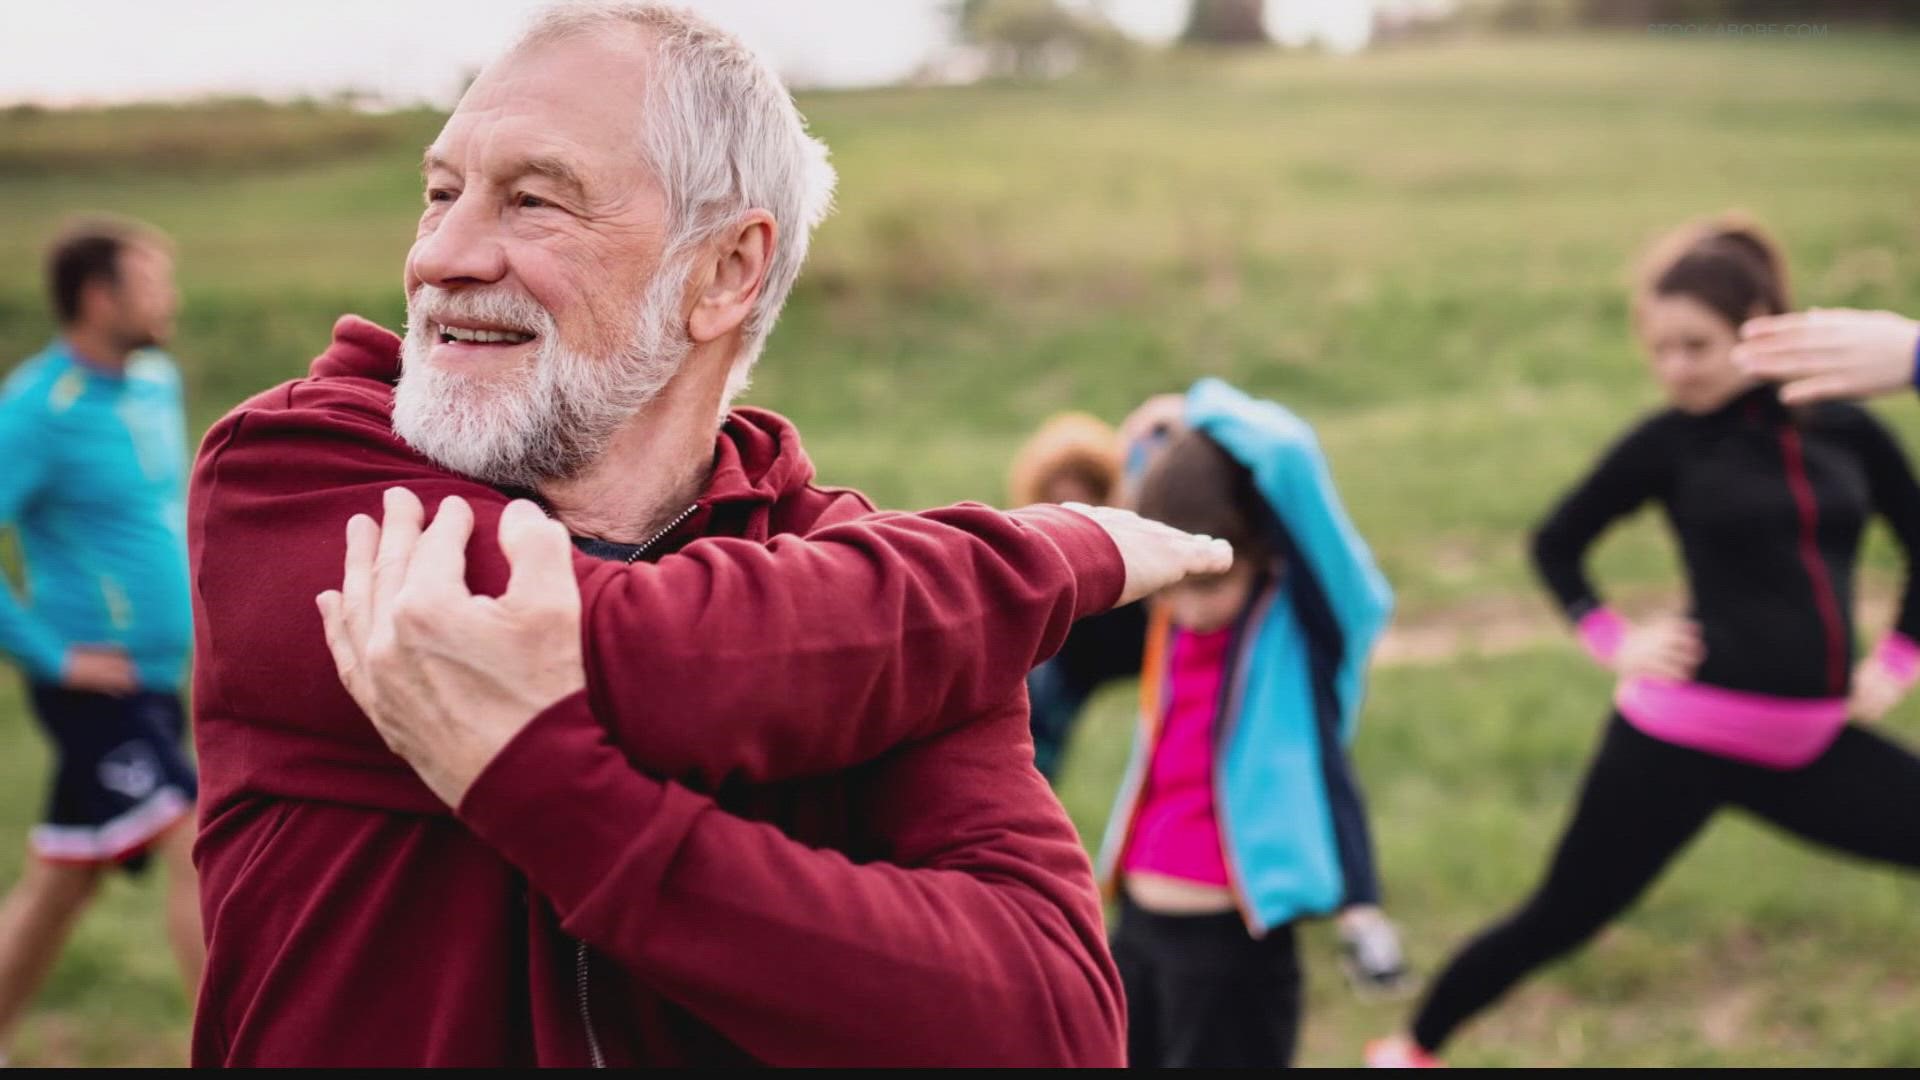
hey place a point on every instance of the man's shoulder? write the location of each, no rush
(308, 435)
(349, 385)
(153, 366)
(341, 404)
(816, 506)
(774, 465)
(31, 385)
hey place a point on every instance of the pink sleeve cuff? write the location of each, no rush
(1900, 655)
(1601, 632)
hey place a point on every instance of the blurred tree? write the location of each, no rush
(1226, 22)
(1559, 14)
(1633, 12)
(1032, 39)
(1520, 15)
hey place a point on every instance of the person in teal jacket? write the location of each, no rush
(94, 487)
(1240, 814)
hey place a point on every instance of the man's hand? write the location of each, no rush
(99, 669)
(1876, 690)
(1156, 555)
(1667, 648)
(449, 678)
(1830, 353)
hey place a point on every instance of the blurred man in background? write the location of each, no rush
(94, 483)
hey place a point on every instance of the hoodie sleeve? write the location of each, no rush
(1291, 472)
(30, 640)
(735, 659)
(975, 940)
(731, 660)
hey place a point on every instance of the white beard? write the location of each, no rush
(547, 420)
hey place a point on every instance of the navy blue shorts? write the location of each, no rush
(122, 778)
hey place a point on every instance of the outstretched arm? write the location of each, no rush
(730, 660)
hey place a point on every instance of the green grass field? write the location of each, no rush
(1422, 250)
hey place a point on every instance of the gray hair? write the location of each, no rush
(723, 136)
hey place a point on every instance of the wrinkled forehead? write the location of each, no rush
(580, 101)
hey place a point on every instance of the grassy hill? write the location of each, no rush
(1422, 250)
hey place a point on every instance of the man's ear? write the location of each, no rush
(741, 258)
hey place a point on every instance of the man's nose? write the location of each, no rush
(464, 248)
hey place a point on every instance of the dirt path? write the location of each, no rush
(1502, 625)
(1495, 626)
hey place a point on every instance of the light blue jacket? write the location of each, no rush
(93, 479)
(1290, 814)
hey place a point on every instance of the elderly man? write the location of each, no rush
(760, 790)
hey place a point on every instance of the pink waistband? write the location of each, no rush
(1780, 733)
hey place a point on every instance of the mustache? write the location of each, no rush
(507, 309)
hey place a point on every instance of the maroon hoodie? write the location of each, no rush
(792, 819)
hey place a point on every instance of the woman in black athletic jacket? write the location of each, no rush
(1747, 701)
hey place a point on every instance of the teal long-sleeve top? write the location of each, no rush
(93, 480)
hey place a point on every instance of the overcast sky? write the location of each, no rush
(74, 51)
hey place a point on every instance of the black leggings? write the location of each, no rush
(1643, 800)
(1203, 994)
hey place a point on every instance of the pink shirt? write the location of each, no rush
(1175, 833)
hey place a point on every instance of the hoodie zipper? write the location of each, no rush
(580, 976)
(641, 548)
(662, 534)
(1823, 598)
(582, 970)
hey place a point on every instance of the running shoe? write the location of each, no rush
(1371, 956)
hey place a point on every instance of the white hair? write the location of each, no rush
(722, 136)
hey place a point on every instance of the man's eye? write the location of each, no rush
(435, 195)
(533, 202)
